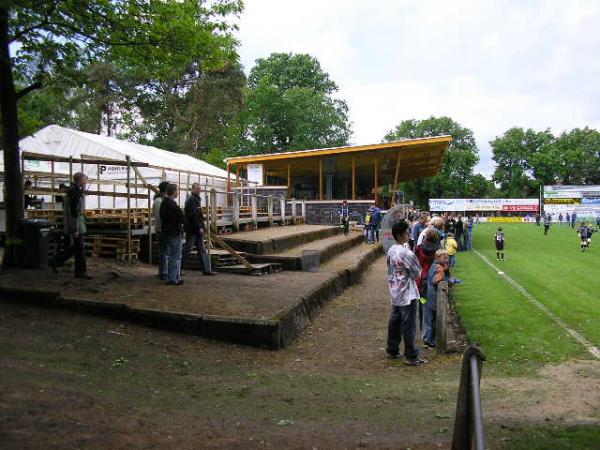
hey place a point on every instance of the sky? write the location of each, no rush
(490, 65)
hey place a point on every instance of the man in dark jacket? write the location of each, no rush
(171, 219)
(74, 227)
(195, 229)
(459, 228)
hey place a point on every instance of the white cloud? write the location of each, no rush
(489, 65)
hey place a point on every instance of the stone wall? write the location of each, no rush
(327, 212)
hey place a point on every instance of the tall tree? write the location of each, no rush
(54, 37)
(290, 105)
(521, 155)
(459, 161)
(577, 153)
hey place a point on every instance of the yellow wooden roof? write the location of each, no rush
(419, 158)
(407, 143)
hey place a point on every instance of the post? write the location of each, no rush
(70, 169)
(294, 211)
(207, 225)
(97, 184)
(128, 209)
(303, 211)
(468, 424)
(236, 211)
(254, 206)
(353, 178)
(395, 186)
(150, 219)
(441, 334)
(289, 180)
(237, 176)
(52, 185)
(114, 196)
(376, 181)
(213, 209)
(320, 179)
(282, 206)
(179, 187)
(135, 182)
(227, 202)
(270, 209)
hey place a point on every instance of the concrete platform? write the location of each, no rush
(277, 239)
(268, 311)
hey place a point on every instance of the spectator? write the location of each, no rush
(345, 217)
(171, 219)
(458, 232)
(374, 215)
(417, 228)
(403, 271)
(573, 220)
(438, 272)
(195, 229)
(74, 227)
(161, 239)
(469, 233)
(451, 247)
(27, 199)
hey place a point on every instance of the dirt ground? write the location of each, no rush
(73, 381)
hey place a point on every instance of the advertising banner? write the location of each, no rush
(583, 200)
(485, 204)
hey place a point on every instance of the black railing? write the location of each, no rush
(468, 425)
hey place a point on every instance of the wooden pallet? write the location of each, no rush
(112, 247)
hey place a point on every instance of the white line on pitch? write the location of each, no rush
(561, 323)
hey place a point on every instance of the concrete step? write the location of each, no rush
(271, 240)
(311, 255)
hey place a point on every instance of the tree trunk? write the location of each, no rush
(13, 180)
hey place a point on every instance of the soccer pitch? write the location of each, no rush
(514, 332)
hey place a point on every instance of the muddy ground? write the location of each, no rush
(73, 381)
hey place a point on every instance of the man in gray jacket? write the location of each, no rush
(160, 237)
(74, 226)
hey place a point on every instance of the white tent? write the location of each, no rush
(64, 142)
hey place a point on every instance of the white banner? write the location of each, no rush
(583, 200)
(255, 173)
(484, 204)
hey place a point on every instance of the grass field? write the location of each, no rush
(516, 336)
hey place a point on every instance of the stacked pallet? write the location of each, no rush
(112, 247)
(98, 219)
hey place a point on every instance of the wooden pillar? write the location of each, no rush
(320, 179)
(128, 209)
(52, 185)
(376, 181)
(395, 185)
(237, 174)
(97, 184)
(228, 184)
(353, 178)
(289, 180)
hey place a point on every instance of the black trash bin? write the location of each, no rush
(33, 251)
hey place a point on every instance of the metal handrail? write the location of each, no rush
(468, 425)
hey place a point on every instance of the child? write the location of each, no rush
(585, 236)
(499, 238)
(451, 247)
(403, 271)
(438, 272)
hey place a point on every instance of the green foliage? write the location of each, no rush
(289, 106)
(526, 158)
(456, 176)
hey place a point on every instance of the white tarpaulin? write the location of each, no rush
(484, 204)
(65, 142)
(583, 200)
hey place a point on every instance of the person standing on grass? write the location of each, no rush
(469, 233)
(573, 220)
(459, 229)
(172, 219)
(160, 238)
(499, 239)
(584, 234)
(438, 272)
(74, 227)
(568, 219)
(403, 270)
(451, 247)
(560, 218)
(195, 229)
(547, 223)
